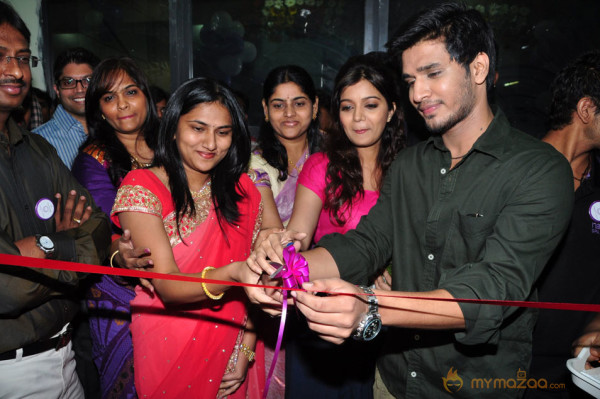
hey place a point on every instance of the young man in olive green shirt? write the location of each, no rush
(474, 212)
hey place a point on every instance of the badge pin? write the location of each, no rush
(44, 209)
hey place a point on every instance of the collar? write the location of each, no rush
(15, 132)
(491, 142)
(64, 118)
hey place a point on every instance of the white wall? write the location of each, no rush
(29, 11)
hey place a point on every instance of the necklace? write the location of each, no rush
(462, 156)
(302, 158)
(136, 164)
(586, 172)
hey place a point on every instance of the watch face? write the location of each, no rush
(46, 242)
(372, 328)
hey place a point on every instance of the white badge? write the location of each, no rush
(595, 211)
(44, 209)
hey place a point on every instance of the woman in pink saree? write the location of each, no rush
(199, 214)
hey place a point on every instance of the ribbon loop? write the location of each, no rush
(295, 271)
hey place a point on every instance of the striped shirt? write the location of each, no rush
(65, 133)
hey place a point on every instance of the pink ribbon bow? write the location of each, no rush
(293, 273)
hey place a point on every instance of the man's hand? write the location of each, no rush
(74, 214)
(333, 317)
(591, 339)
(28, 247)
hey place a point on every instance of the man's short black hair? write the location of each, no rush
(464, 32)
(76, 55)
(579, 79)
(8, 15)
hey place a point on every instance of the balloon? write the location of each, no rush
(238, 28)
(230, 64)
(249, 52)
(220, 20)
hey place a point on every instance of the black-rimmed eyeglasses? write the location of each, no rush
(71, 83)
(23, 60)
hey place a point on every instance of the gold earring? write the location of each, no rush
(267, 118)
(103, 117)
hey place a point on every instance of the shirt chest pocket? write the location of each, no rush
(469, 232)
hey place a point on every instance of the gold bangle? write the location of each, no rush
(112, 257)
(206, 291)
(245, 349)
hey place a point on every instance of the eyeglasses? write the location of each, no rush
(71, 83)
(22, 60)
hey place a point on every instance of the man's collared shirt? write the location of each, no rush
(481, 230)
(35, 304)
(65, 133)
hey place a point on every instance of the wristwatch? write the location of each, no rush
(370, 325)
(45, 244)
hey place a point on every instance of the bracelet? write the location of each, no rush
(245, 349)
(112, 257)
(206, 291)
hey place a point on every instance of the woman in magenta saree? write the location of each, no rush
(178, 350)
(190, 339)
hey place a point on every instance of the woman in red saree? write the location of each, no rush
(199, 214)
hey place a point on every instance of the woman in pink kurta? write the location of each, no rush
(313, 178)
(335, 189)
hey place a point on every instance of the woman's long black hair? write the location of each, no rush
(105, 76)
(225, 176)
(344, 171)
(272, 150)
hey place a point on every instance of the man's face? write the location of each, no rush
(15, 78)
(440, 89)
(593, 129)
(73, 99)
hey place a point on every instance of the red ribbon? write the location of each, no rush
(17, 260)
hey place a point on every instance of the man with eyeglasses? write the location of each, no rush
(44, 214)
(67, 129)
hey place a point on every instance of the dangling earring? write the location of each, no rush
(314, 117)
(103, 117)
(267, 118)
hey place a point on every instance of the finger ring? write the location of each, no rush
(385, 280)
(78, 221)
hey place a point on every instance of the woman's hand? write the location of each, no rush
(271, 249)
(132, 258)
(233, 380)
(384, 281)
(258, 295)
